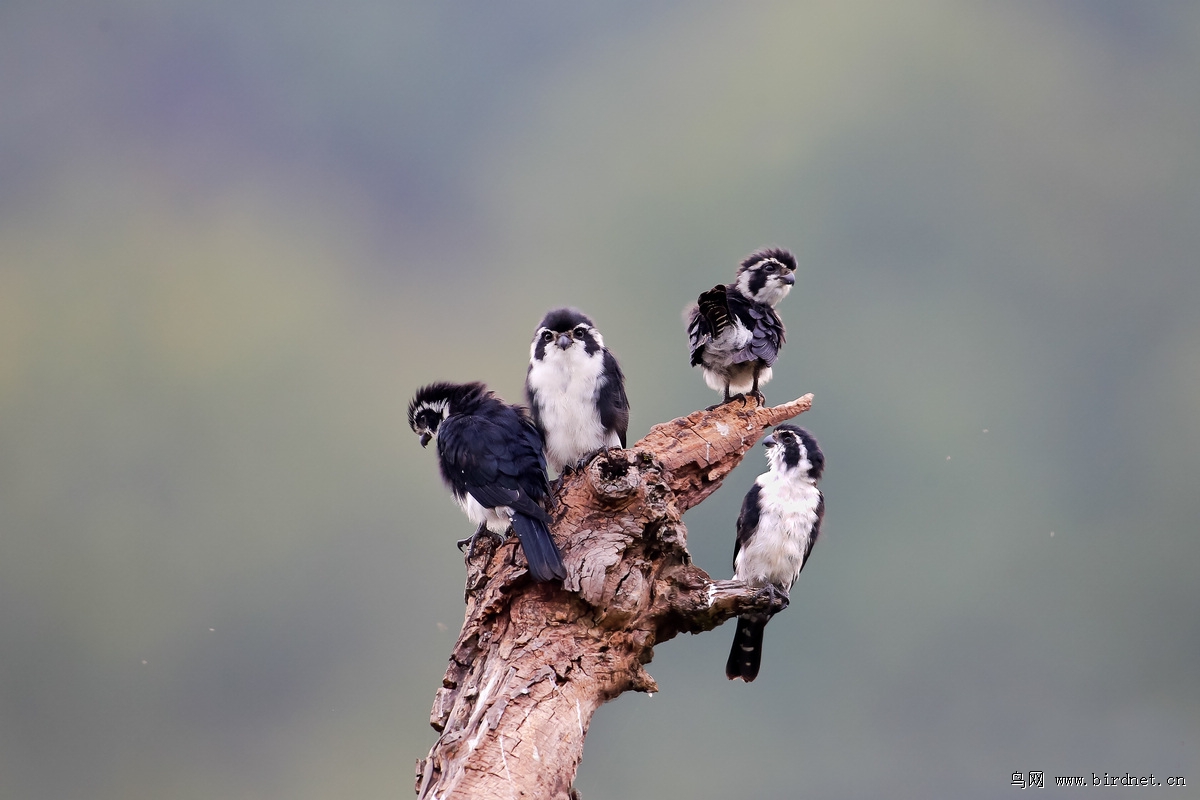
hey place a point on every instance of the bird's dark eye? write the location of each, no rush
(580, 331)
(547, 336)
(771, 268)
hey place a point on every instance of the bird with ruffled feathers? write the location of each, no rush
(733, 329)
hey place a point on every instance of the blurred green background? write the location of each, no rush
(235, 237)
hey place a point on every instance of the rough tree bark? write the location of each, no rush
(534, 661)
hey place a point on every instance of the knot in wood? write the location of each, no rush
(615, 478)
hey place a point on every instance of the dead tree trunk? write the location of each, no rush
(534, 661)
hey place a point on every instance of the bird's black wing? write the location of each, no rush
(768, 333)
(611, 400)
(531, 399)
(536, 484)
(765, 326)
(745, 654)
(816, 529)
(533, 526)
(708, 319)
(747, 521)
(496, 458)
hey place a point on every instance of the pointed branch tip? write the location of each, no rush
(699, 450)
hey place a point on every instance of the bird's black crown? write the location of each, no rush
(564, 319)
(570, 323)
(458, 397)
(784, 257)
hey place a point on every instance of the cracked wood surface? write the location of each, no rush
(534, 661)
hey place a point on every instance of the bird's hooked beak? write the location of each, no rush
(788, 277)
(564, 341)
(425, 437)
(769, 440)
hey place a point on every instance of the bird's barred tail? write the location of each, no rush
(746, 654)
(545, 562)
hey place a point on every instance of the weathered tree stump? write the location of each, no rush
(534, 661)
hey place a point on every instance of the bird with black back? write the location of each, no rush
(490, 456)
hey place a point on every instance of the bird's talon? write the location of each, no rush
(472, 540)
(729, 399)
(777, 599)
(588, 458)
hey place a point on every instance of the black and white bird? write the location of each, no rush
(575, 389)
(490, 456)
(776, 530)
(734, 330)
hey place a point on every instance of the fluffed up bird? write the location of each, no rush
(776, 530)
(490, 455)
(575, 389)
(734, 330)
